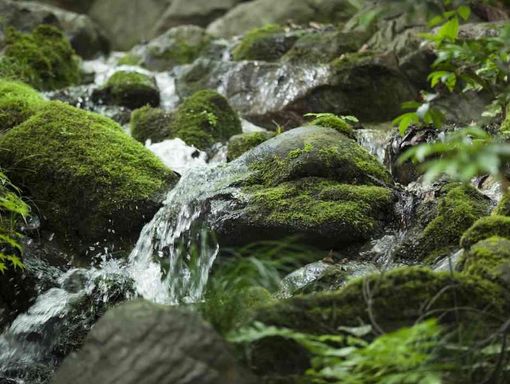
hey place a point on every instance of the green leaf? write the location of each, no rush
(449, 30)
(464, 12)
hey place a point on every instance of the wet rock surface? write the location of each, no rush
(161, 345)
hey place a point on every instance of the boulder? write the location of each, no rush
(313, 183)
(85, 36)
(178, 46)
(91, 182)
(239, 144)
(43, 58)
(128, 89)
(128, 22)
(152, 124)
(258, 13)
(369, 86)
(140, 342)
(196, 12)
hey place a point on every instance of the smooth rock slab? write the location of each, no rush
(140, 342)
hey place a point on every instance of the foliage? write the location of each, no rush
(462, 155)
(463, 64)
(12, 210)
(246, 276)
(404, 356)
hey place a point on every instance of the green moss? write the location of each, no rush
(130, 59)
(267, 43)
(330, 120)
(149, 123)
(503, 207)
(310, 204)
(505, 125)
(242, 143)
(489, 259)
(457, 211)
(90, 180)
(416, 291)
(129, 89)
(179, 54)
(343, 160)
(18, 102)
(204, 119)
(484, 228)
(43, 59)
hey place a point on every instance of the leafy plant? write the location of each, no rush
(404, 356)
(462, 65)
(462, 155)
(12, 211)
(246, 276)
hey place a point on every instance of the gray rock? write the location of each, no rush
(371, 87)
(85, 36)
(178, 46)
(140, 342)
(196, 12)
(128, 22)
(257, 13)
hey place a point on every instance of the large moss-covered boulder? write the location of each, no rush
(417, 293)
(177, 46)
(43, 58)
(152, 124)
(314, 183)
(239, 144)
(90, 181)
(129, 89)
(18, 102)
(440, 226)
(141, 342)
(204, 119)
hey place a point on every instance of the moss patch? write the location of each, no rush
(129, 89)
(503, 207)
(242, 143)
(484, 228)
(267, 43)
(43, 59)
(312, 205)
(489, 259)
(150, 123)
(329, 120)
(204, 119)
(416, 291)
(18, 102)
(457, 211)
(90, 180)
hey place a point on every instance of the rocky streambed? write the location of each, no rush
(146, 170)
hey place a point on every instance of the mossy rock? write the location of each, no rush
(330, 120)
(18, 102)
(44, 58)
(239, 144)
(204, 119)
(91, 182)
(178, 46)
(152, 124)
(489, 259)
(268, 43)
(484, 228)
(503, 207)
(322, 46)
(397, 298)
(129, 89)
(457, 210)
(313, 183)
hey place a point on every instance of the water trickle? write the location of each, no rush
(375, 139)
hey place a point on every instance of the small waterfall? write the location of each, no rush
(375, 139)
